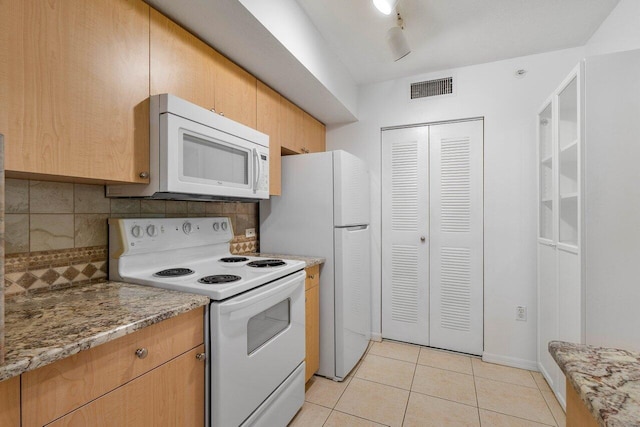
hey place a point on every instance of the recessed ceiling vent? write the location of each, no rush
(432, 88)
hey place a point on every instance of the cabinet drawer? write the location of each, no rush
(170, 395)
(56, 389)
(313, 277)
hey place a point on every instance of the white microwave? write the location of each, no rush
(196, 154)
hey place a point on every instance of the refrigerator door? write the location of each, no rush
(350, 189)
(352, 297)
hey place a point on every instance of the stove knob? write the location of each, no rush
(186, 227)
(136, 231)
(216, 226)
(152, 230)
(224, 226)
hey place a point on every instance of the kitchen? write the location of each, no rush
(70, 216)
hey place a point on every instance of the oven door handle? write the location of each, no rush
(237, 305)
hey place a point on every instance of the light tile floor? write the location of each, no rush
(398, 384)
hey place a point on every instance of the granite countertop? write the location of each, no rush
(606, 379)
(48, 326)
(310, 260)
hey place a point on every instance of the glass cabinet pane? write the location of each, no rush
(568, 163)
(545, 124)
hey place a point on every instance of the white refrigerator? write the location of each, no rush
(324, 211)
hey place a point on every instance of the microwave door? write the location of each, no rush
(203, 160)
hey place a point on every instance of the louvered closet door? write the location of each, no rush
(456, 224)
(405, 235)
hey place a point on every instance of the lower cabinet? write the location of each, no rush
(172, 394)
(154, 376)
(10, 402)
(312, 318)
(577, 413)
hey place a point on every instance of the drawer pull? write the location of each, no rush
(141, 353)
(201, 357)
(311, 276)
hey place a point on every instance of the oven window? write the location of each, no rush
(267, 324)
(206, 159)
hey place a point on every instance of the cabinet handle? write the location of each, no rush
(141, 353)
(222, 114)
(201, 357)
(213, 110)
(422, 238)
(311, 276)
(144, 175)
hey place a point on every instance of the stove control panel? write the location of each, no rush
(142, 235)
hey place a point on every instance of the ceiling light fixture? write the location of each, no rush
(397, 40)
(385, 6)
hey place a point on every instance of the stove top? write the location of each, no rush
(219, 278)
(266, 263)
(167, 253)
(174, 272)
(233, 259)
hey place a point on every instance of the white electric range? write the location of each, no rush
(255, 323)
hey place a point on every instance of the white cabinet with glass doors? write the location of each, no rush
(560, 293)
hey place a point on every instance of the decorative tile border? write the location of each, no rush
(243, 245)
(39, 271)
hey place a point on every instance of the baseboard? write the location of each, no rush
(514, 362)
(376, 336)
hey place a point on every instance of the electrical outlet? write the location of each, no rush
(250, 232)
(521, 313)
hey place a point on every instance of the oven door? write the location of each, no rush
(198, 159)
(257, 341)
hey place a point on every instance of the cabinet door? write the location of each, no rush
(268, 121)
(76, 83)
(546, 193)
(313, 138)
(181, 64)
(10, 402)
(291, 127)
(172, 394)
(312, 319)
(235, 92)
(568, 164)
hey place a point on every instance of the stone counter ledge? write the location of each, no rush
(49, 326)
(606, 379)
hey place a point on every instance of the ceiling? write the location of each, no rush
(445, 34)
(317, 52)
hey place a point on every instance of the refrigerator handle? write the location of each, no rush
(357, 227)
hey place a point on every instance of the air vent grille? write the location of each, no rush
(432, 88)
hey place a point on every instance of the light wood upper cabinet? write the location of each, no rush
(75, 84)
(301, 133)
(315, 130)
(291, 127)
(268, 121)
(181, 64)
(235, 92)
(185, 66)
(10, 402)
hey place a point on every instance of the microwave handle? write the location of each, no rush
(256, 169)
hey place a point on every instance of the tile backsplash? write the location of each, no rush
(56, 233)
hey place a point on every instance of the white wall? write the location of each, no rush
(509, 106)
(620, 31)
(304, 41)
